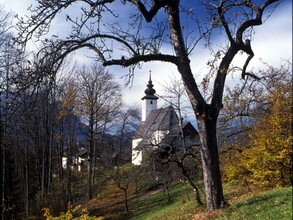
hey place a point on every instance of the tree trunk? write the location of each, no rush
(90, 171)
(192, 184)
(196, 191)
(90, 154)
(69, 199)
(3, 157)
(206, 119)
(126, 200)
(210, 162)
(167, 190)
(26, 183)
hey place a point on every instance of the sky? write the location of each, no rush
(272, 43)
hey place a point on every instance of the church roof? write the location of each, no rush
(163, 119)
(166, 121)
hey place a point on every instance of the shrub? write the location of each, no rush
(72, 213)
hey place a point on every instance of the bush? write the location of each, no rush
(72, 213)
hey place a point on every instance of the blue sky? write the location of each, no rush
(272, 42)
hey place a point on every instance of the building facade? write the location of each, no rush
(159, 128)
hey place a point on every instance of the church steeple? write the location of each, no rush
(149, 101)
(150, 92)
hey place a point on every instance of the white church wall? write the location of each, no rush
(147, 107)
(158, 136)
(136, 153)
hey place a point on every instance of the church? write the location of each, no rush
(160, 128)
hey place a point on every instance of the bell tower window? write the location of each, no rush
(149, 101)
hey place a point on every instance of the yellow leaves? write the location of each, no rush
(47, 213)
(267, 162)
(70, 213)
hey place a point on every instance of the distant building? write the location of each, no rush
(76, 157)
(159, 128)
(76, 160)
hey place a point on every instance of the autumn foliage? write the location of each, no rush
(265, 161)
(72, 213)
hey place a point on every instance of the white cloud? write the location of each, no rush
(272, 41)
(20, 7)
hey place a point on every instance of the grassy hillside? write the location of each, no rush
(274, 204)
(146, 205)
(158, 207)
(154, 205)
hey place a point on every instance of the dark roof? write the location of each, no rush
(189, 130)
(163, 119)
(166, 119)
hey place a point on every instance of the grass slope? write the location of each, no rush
(154, 205)
(272, 205)
(182, 205)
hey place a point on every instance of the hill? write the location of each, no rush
(154, 205)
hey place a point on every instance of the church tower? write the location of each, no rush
(149, 101)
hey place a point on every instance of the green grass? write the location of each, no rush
(272, 205)
(154, 205)
(157, 206)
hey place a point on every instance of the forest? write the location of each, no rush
(66, 130)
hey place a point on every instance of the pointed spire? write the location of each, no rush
(150, 78)
(150, 92)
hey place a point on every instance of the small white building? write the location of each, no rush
(75, 161)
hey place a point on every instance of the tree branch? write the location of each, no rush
(102, 36)
(224, 22)
(43, 15)
(252, 22)
(149, 15)
(142, 58)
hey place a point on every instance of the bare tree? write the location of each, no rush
(187, 152)
(10, 57)
(99, 99)
(148, 30)
(122, 179)
(128, 121)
